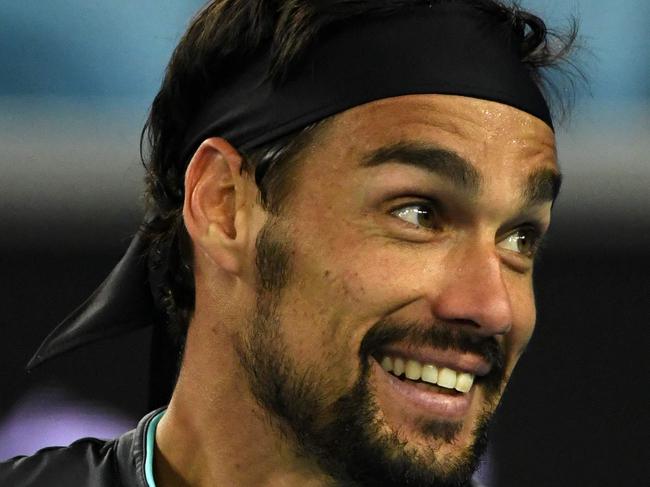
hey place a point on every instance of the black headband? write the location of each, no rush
(446, 48)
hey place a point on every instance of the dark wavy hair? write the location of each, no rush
(220, 39)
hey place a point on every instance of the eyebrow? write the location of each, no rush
(433, 159)
(542, 186)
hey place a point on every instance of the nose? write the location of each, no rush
(475, 293)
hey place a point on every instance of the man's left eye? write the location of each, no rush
(419, 215)
(522, 241)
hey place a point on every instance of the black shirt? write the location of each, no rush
(89, 462)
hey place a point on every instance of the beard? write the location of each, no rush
(345, 435)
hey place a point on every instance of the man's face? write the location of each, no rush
(407, 243)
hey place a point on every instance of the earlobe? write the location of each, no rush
(214, 189)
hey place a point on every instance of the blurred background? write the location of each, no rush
(76, 79)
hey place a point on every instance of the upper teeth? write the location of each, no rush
(443, 376)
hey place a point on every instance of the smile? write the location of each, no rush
(443, 377)
(429, 383)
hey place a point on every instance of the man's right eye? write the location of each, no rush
(419, 215)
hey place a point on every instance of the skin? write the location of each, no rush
(355, 261)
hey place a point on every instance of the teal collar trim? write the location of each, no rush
(150, 449)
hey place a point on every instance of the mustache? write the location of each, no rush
(441, 336)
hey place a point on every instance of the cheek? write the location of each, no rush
(381, 279)
(337, 291)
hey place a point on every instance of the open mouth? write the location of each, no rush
(431, 382)
(424, 390)
(432, 377)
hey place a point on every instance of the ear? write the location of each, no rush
(214, 209)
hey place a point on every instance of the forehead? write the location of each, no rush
(491, 136)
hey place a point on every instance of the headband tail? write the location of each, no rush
(121, 304)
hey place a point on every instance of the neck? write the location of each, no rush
(214, 433)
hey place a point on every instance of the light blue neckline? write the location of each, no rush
(150, 449)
